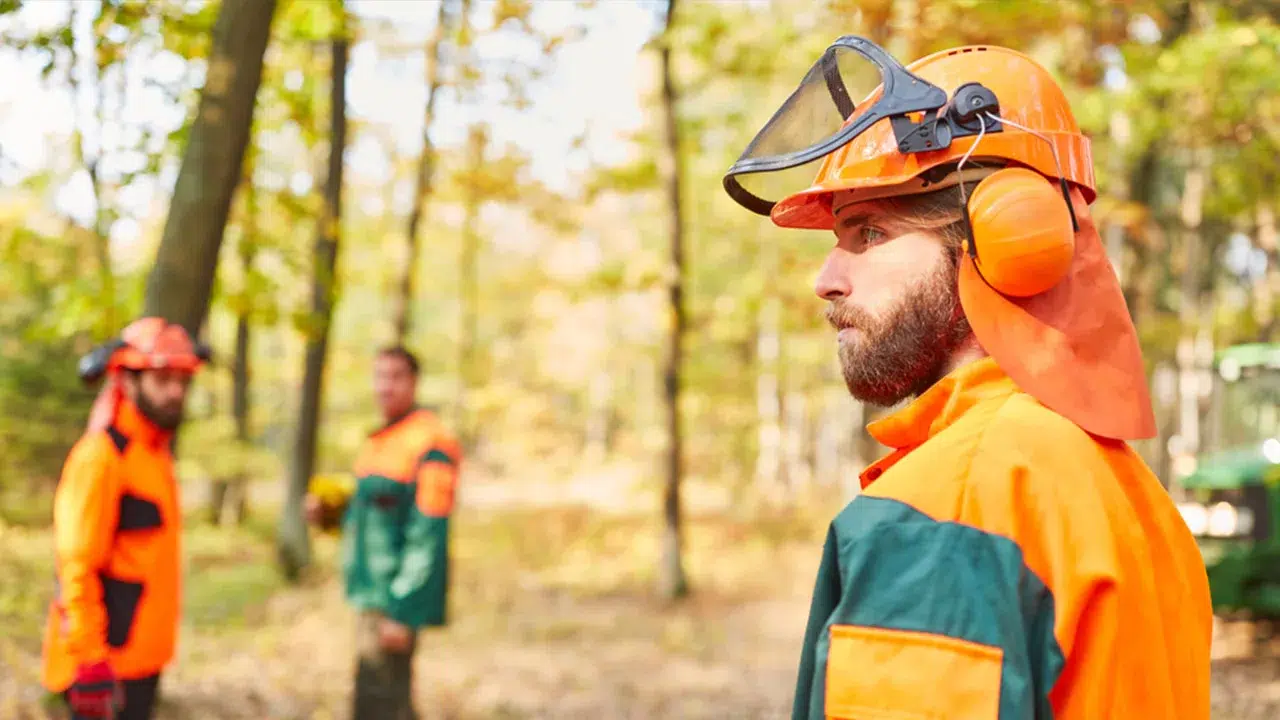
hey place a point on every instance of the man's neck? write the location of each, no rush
(135, 423)
(970, 351)
(392, 418)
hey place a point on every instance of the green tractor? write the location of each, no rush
(1230, 491)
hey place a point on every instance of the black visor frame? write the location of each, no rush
(903, 93)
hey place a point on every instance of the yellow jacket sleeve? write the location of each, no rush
(85, 509)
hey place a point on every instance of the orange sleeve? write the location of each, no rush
(438, 476)
(85, 510)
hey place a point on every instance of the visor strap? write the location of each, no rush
(1062, 179)
(964, 198)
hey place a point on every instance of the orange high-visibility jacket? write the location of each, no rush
(1001, 563)
(117, 527)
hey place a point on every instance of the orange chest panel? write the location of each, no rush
(148, 521)
(396, 452)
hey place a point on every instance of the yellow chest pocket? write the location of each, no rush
(880, 674)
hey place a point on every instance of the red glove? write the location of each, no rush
(96, 693)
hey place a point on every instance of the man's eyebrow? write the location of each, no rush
(852, 219)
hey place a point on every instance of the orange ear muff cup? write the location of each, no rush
(1021, 231)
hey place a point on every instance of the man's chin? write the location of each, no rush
(877, 396)
(849, 335)
(879, 388)
(168, 421)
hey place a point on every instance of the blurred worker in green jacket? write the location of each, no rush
(395, 538)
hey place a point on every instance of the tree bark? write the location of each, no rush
(241, 374)
(672, 583)
(401, 312)
(236, 497)
(230, 492)
(181, 282)
(294, 543)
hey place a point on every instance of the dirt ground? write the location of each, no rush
(552, 618)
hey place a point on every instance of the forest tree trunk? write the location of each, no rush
(672, 583)
(294, 542)
(401, 311)
(181, 282)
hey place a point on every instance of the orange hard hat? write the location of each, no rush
(1036, 285)
(149, 343)
(871, 165)
(153, 344)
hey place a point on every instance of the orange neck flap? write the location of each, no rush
(1073, 347)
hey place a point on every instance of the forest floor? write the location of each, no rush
(552, 617)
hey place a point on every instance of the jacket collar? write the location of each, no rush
(935, 410)
(396, 422)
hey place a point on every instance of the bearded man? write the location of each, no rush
(1012, 556)
(112, 626)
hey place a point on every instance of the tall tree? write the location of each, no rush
(672, 582)
(181, 283)
(294, 543)
(401, 310)
(232, 492)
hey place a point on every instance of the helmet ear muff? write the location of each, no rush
(1021, 232)
(93, 365)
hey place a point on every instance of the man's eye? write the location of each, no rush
(871, 235)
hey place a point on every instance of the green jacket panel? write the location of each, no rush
(396, 527)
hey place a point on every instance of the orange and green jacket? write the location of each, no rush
(116, 531)
(1001, 563)
(395, 537)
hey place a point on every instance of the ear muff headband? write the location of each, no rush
(1021, 228)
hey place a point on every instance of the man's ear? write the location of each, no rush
(955, 251)
(131, 380)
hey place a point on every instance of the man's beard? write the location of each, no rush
(906, 351)
(167, 418)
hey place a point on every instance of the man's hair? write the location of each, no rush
(400, 351)
(940, 212)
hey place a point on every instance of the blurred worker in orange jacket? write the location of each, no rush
(1012, 557)
(113, 623)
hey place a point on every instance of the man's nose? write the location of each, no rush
(834, 279)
